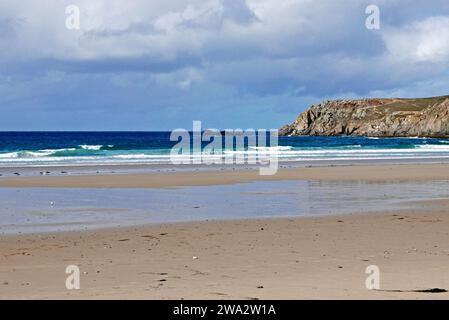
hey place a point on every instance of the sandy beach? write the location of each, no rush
(282, 258)
(317, 258)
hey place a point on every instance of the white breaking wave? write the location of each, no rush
(32, 154)
(433, 147)
(90, 147)
(272, 149)
(140, 156)
(285, 153)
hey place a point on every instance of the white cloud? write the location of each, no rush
(216, 52)
(422, 41)
(169, 29)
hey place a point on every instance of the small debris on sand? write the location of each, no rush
(432, 290)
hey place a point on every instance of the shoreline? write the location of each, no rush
(127, 168)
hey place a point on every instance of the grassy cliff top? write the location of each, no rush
(417, 104)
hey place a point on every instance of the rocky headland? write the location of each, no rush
(423, 117)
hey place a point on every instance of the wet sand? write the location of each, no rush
(405, 172)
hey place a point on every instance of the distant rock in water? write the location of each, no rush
(425, 117)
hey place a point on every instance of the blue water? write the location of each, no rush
(55, 148)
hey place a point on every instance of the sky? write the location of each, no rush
(160, 64)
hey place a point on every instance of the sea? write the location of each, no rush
(83, 148)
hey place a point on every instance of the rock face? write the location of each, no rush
(426, 117)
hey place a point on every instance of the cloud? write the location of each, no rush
(154, 64)
(421, 41)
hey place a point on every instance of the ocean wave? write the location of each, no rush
(90, 150)
(32, 154)
(390, 157)
(433, 147)
(92, 147)
(82, 150)
(140, 156)
(108, 153)
(272, 149)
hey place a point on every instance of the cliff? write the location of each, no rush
(425, 117)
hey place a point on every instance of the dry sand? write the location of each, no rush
(274, 258)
